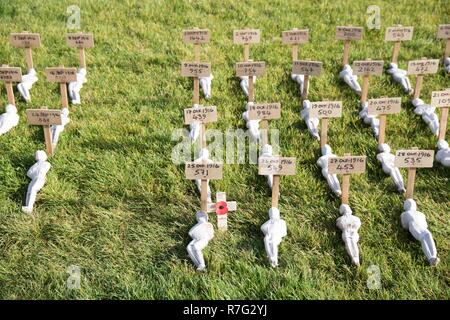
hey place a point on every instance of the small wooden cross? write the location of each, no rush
(348, 34)
(221, 208)
(366, 69)
(27, 41)
(9, 75)
(420, 68)
(295, 37)
(63, 76)
(398, 34)
(250, 69)
(264, 112)
(307, 68)
(45, 118)
(441, 99)
(444, 33)
(81, 41)
(325, 110)
(382, 107)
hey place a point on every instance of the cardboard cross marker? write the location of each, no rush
(9, 75)
(221, 208)
(45, 118)
(444, 33)
(307, 68)
(413, 159)
(81, 41)
(246, 37)
(276, 166)
(397, 35)
(382, 107)
(348, 34)
(420, 68)
(441, 99)
(346, 166)
(324, 110)
(62, 76)
(295, 37)
(366, 69)
(196, 69)
(27, 41)
(264, 112)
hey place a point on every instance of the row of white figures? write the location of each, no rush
(428, 114)
(332, 179)
(350, 79)
(37, 173)
(387, 160)
(274, 231)
(416, 223)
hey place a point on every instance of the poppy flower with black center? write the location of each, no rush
(221, 207)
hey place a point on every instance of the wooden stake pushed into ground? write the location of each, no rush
(348, 34)
(307, 68)
(196, 69)
(264, 112)
(250, 69)
(441, 99)
(9, 75)
(381, 107)
(398, 34)
(45, 118)
(420, 68)
(366, 69)
(444, 33)
(324, 110)
(63, 76)
(412, 159)
(276, 166)
(81, 41)
(346, 166)
(295, 37)
(246, 37)
(27, 41)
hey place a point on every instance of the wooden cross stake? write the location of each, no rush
(420, 68)
(221, 208)
(381, 107)
(27, 41)
(412, 159)
(81, 41)
(398, 34)
(295, 37)
(63, 76)
(366, 69)
(346, 166)
(348, 34)
(45, 118)
(441, 99)
(443, 32)
(307, 68)
(9, 75)
(325, 110)
(264, 112)
(276, 166)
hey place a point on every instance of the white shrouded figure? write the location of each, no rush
(274, 230)
(400, 76)
(205, 84)
(203, 156)
(368, 119)
(311, 122)
(332, 179)
(75, 86)
(252, 125)
(428, 114)
(350, 79)
(443, 153)
(245, 83)
(9, 119)
(387, 160)
(37, 174)
(447, 64)
(300, 79)
(25, 86)
(201, 234)
(267, 151)
(416, 223)
(195, 128)
(349, 224)
(56, 129)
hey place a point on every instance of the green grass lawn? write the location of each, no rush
(116, 206)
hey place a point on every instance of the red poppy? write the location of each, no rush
(221, 207)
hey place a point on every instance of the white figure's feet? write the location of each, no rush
(351, 80)
(428, 114)
(9, 119)
(443, 153)
(400, 76)
(25, 86)
(311, 122)
(75, 87)
(205, 84)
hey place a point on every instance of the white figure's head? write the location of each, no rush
(267, 149)
(40, 155)
(347, 68)
(384, 147)
(447, 60)
(32, 72)
(245, 115)
(11, 108)
(274, 213)
(65, 112)
(306, 104)
(203, 153)
(195, 105)
(417, 102)
(326, 149)
(364, 105)
(82, 71)
(345, 209)
(393, 65)
(410, 205)
(442, 144)
(201, 216)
